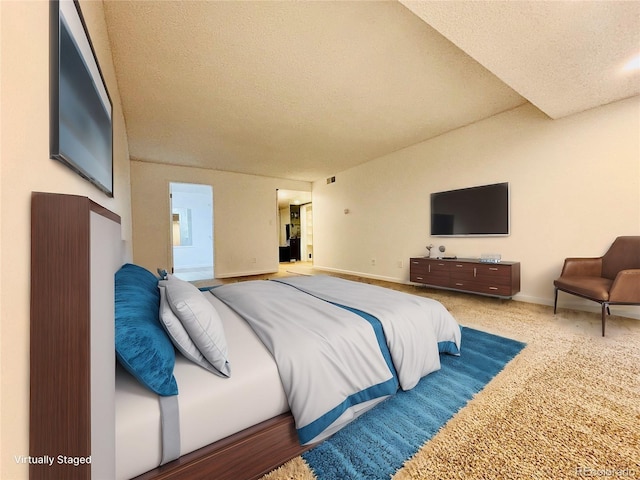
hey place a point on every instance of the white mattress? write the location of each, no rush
(211, 407)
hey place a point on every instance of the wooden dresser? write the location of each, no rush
(467, 275)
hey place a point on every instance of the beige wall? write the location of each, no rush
(25, 167)
(575, 186)
(245, 215)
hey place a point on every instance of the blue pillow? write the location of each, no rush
(142, 345)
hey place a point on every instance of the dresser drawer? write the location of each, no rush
(462, 271)
(440, 280)
(484, 288)
(491, 273)
(418, 266)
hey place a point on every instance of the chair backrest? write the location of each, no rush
(623, 254)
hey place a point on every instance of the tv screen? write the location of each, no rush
(81, 133)
(475, 211)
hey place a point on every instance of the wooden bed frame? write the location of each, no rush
(63, 359)
(246, 455)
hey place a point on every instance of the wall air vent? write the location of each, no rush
(331, 180)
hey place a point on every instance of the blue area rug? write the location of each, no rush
(377, 444)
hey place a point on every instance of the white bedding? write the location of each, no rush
(211, 407)
(331, 362)
(416, 328)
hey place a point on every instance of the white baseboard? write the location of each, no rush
(572, 302)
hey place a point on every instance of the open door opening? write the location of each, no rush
(295, 213)
(192, 231)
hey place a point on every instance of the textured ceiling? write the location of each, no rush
(562, 56)
(303, 90)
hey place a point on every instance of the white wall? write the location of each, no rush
(245, 217)
(26, 167)
(575, 186)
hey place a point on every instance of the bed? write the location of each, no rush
(233, 424)
(254, 350)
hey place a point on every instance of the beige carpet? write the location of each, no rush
(568, 406)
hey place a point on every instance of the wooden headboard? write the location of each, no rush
(75, 252)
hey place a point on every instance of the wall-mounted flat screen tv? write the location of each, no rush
(474, 211)
(81, 129)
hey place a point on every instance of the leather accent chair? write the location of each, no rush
(613, 279)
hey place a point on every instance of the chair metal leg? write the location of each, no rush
(555, 302)
(605, 308)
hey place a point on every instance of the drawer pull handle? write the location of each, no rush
(495, 269)
(459, 266)
(459, 284)
(419, 278)
(493, 288)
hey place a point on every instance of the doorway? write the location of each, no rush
(192, 231)
(295, 216)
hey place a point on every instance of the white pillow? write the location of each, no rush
(178, 334)
(200, 320)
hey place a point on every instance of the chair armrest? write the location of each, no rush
(582, 267)
(626, 287)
